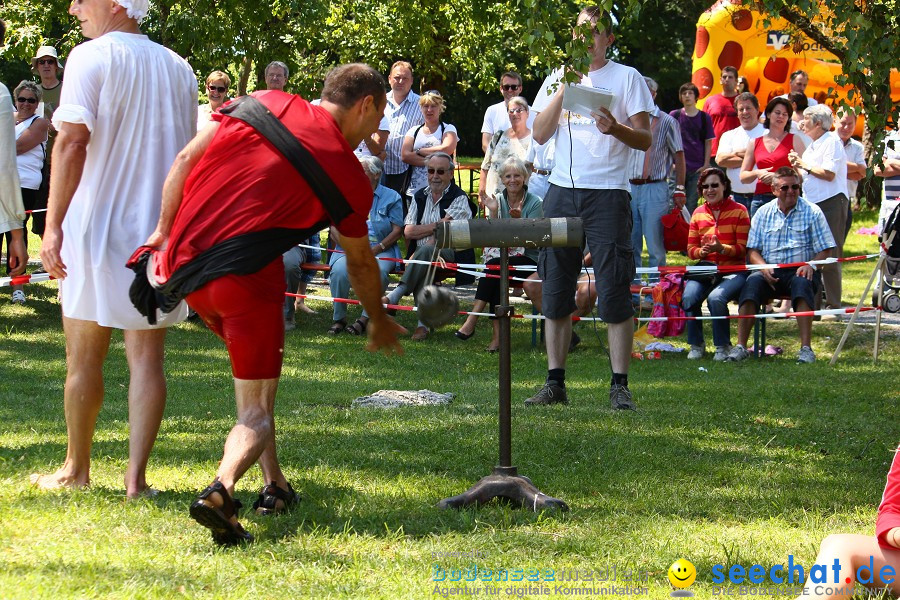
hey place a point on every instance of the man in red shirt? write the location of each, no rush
(230, 189)
(720, 107)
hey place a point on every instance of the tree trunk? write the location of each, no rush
(246, 69)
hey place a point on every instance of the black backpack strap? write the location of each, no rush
(255, 114)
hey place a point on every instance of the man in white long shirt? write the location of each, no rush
(110, 161)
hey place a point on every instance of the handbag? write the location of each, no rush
(705, 278)
(675, 231)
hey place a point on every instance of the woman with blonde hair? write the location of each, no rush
(426, 139)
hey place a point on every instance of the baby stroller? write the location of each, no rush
(890, 270)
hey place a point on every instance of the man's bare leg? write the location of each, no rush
(146, 402)
(621, 339)
(558, 334)
(745, 325)
(87, 344)
(852, 552)
(300, 303)
(533, 289)
(268, 464)
(254, 430)
(804, 323)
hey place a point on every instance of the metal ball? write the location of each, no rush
(436, 306)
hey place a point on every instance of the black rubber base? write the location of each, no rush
(505, 485)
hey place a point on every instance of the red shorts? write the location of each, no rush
(247, 314)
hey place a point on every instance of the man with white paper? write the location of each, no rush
(594, 154)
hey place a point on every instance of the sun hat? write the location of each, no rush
(46, 51)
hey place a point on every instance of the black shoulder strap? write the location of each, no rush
(254, 113)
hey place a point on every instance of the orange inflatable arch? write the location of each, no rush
(730, 34)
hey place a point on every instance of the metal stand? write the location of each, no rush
(504, 483)
(877, 272)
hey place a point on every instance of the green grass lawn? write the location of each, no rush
(736, 464)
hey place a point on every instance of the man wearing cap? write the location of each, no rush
(12, 213)
(47, 66)
(112, 153)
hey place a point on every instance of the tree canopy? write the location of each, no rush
(463, 45)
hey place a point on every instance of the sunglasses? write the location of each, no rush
(785, 188)
(432, 171)
(509, 88)
(709, 186)
(217, 88)
(28, 100)
(433, 93)
(46, 61)
(515, 111)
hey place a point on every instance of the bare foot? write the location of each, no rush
(58, 480)
(302, 307)
(146, 493)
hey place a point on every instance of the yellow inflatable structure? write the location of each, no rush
(731, 34)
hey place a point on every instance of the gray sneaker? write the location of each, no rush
(738, 353)
(696, 353)
(620, 398)
(721, 353)
(806, 355)
(549, 394)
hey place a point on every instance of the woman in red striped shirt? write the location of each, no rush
(718, 235)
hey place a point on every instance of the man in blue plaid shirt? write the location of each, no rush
(789, 230)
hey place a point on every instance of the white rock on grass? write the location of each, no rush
(397, 398)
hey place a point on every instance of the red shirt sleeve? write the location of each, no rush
(889, 510)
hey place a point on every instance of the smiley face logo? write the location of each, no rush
(682, 573)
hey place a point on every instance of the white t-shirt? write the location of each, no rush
(12, 213)
(496, 118)
(31, 162)
(543, 157)
(139, 101)
(419, 177)
(732, 141)
(855, 153)
(795, 129)
(596, 160)
(810, 101)
(362, 149)
(827, 152)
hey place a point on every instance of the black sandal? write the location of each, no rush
(337, 327)
(267, 502)
(218, 519)
(358, 327)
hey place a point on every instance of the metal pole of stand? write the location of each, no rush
(504, 483)
(504, 314)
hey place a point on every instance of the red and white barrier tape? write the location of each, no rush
(790, 315)
(23, 279)
(725, 269)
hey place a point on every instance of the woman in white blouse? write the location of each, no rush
(31, 136)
